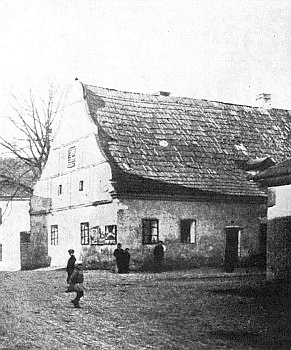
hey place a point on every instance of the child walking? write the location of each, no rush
(76, 283)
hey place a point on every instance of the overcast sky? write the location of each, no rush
(219, 50)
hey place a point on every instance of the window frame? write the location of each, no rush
(54, 235)
(81, 185)
(85, 233)
(71, 159)
(148, 224)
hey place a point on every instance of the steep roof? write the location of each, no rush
(193, 143)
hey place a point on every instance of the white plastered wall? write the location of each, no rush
(15, 218)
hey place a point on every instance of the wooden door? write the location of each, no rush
(231, 248)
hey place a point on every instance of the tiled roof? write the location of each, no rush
(194, 143)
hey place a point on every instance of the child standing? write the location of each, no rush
(76, 283)
(71, 263)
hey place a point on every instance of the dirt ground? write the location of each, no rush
(171, 310)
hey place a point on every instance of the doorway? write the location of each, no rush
(232, 247)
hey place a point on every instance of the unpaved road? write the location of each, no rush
(172, 310)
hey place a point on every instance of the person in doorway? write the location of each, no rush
(158, 254)
(119, 256)
(126, 258)
(76, 281)
(71, 263)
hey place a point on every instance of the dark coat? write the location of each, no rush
(76, 277)
(71, 264)
(159, 252)
(118, 253)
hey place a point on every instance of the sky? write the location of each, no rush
(221, 50)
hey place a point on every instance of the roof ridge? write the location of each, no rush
(173, 99)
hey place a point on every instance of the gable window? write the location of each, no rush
(0, 252)
(54, 235)
(60, 190)
(85, 233)
(150, 231)
(71, 157)
(188, 231)
(81, 185)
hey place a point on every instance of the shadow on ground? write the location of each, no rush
(268, 294)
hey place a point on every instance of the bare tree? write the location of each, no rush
(33, 119)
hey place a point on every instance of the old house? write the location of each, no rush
(14, 221)
(138, 168)
(278, 179)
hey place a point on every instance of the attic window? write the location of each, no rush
(163, 143)
(71, 157)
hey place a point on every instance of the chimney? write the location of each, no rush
(264, 101)
(162, 93)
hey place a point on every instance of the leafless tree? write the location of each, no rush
(33, 118)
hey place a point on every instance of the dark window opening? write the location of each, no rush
(188, 231)
(60, 190)
(81, 185)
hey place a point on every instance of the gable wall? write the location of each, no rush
(71, 207)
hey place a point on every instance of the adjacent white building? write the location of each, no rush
(14, 219)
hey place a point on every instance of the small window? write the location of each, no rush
(54, 235)
(188, 231)
(0, 216)
(0, 252)
(81, 185)
(71, 157)
(85, 233)
(60, 190)
(150, 231)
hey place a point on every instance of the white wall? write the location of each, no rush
(283, 202)
(72, 207)
(15, 218)
(69, 229)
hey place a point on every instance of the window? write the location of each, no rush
(85, 233)
(60, 190)
(71, 157)
(81, 185)
(0, 252)
(0, 216)
(188, 231)
(150, 231)
(54, 235)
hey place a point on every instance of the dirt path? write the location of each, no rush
(138, 311)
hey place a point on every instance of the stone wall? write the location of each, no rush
(279, 248)
(211, 220)
(35, 254)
